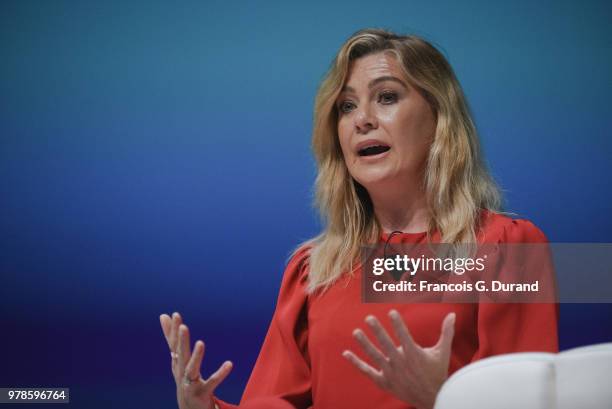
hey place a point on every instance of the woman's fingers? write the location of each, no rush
(366, 369)
(371, 349)
(408, 344)
(192, 370)
(220, 374)
(385, 341)
(166, 324)
(186, 365)
(184, 349)
(448, 331)
(176, 321)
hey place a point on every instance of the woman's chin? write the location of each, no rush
(374, 179)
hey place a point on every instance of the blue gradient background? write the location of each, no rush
(155, 157)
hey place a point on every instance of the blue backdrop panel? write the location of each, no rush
(156, 157)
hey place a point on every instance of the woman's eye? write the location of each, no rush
(345, 106)
(387, 97)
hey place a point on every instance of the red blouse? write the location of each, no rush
(300, 364)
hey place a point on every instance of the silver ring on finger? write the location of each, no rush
(174, 355)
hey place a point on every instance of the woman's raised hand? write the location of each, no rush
(412, 373)
(192, 391)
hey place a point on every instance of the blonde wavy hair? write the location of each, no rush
(456, 180)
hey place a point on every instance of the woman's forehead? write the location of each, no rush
(373, 66)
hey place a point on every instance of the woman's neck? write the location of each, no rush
(401, 210)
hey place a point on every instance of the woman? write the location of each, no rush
(398, 162)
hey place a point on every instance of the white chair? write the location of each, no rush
(578, 378)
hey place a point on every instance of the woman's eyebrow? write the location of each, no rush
(386, 78)
(376, 81)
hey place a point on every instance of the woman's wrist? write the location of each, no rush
(430, 400)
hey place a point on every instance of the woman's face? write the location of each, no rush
(385, 126)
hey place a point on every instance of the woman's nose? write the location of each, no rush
(365, 120)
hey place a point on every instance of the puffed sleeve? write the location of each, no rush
(281, 376)
(517, 327)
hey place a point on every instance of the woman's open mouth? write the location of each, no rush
(374, 151)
